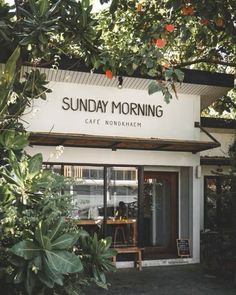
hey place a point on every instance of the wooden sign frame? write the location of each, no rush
(183, 247)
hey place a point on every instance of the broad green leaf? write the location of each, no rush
(46, 280)
(7, 138)
(64, 262)
(50, 275)
(18, 173)
(154, 87)
(56, 231)
(9, 179)
(35, 165)
(11, 65)
(179, 74)
(10, 140)
(26, 249)
(20, 141)
(167, 96)
(64, 242)
(40, 234)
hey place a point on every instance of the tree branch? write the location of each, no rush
(208, 61)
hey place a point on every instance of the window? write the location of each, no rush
(122, 189)
(218, 202)
(90, 193)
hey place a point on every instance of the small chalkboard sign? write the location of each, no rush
(183, 247)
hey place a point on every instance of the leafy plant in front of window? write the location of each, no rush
(46, 259)
(37, 241)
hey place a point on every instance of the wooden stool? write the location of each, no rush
(137, 258)
(119, 232)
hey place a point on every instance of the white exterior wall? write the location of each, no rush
(119, 157)
(177, 122)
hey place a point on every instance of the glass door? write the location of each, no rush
(160, 209)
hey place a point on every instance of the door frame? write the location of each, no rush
(173, 177)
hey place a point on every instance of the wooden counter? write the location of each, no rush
(114, 222)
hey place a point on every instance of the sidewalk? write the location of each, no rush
(165, 280)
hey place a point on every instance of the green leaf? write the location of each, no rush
(30, 281)
(26, 249)
(10, 140)
(7, 138)
(43, 7)
(46, 280)
(20, 141)
(64, 262)
(51, 274)
(85, 3)
(11, 65)
(56, 231)
(154, 87)
(179, 74)
(167, 96)
(40, 234)
(64, 242)
(35, 165)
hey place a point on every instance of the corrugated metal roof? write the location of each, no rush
(208, 93)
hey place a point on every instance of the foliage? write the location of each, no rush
(218, 241)
(202, 36)
(33, 228)
(97, 258)
(154, 38)
(224, 107)
(46, 259)
(37, 244)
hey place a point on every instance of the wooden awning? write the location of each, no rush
(125, 143)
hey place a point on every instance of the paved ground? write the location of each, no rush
(165, 280)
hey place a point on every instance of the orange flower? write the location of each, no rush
(169, 27)
(165, 65)
(188, 10)
(219, 22)
(204, 21)
(138, 7)
(160, 43)
(108, 74)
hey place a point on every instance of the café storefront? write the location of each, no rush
(133, 161)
